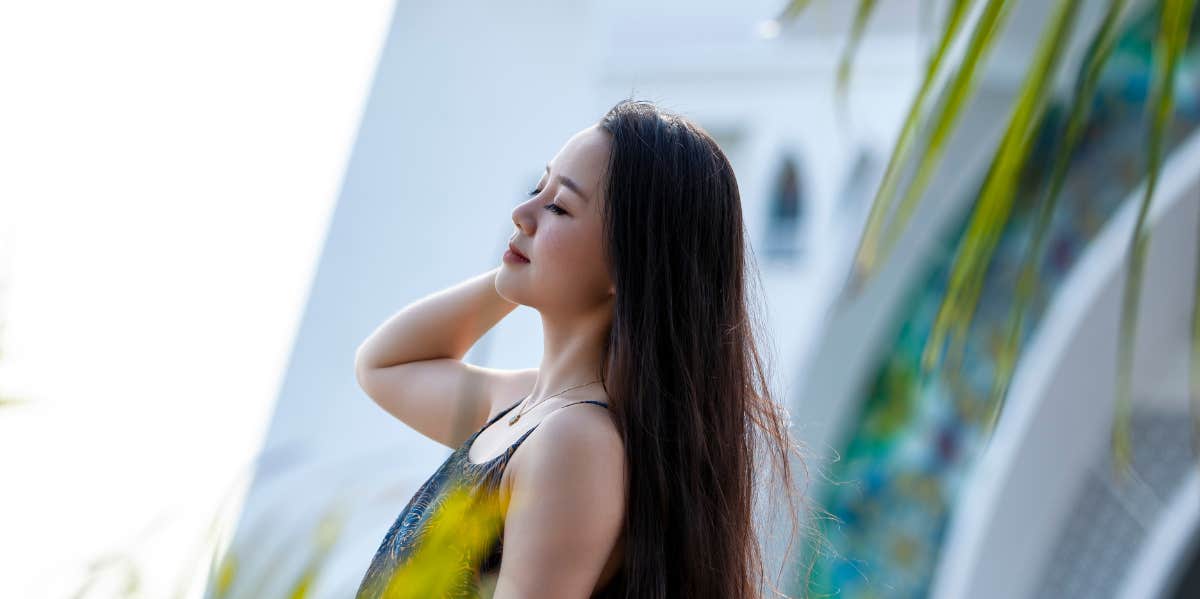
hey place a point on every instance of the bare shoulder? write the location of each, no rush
(566, 509)
(573, 434)
(576, 449)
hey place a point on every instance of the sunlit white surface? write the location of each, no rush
(169, 171)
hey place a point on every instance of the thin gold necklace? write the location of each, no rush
(522, 411)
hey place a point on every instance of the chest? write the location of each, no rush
(494, 449)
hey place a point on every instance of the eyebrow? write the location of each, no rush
(573, 186)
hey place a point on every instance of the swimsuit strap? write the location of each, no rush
(526, 434)
(509, 409)
(512, 447)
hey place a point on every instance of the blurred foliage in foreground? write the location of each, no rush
(924, 416)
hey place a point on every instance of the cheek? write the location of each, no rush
(573, 259)
(554, 253)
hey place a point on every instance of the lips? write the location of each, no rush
(512, 248)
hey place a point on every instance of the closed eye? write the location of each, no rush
(552, 207)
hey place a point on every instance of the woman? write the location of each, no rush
(631, 249)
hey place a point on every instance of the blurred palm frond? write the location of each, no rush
(995, 200)
(465, 524)
(887, 221)
(1174, 23)
(1086, 80)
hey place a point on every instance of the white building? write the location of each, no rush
(467, 106)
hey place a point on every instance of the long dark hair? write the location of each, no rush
(689, 387)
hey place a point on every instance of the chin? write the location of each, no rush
(508, 289)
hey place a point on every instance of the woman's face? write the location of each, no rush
(560, 230)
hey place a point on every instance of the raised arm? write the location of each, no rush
(412, 366)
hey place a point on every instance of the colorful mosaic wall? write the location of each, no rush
(910, 445)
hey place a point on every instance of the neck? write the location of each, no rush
(572, 352)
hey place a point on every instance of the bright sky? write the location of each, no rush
(168, 174)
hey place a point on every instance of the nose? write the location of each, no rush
(523, 217)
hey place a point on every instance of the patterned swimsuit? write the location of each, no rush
(406, 532)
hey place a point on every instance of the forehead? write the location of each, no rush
(583, 159)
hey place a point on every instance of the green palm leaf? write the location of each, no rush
(866, 256)
(8, 402)
(793, 10)
(465, 524)
(1099, 50)
(324, 538)
(861, 17)
(995, 199)
(960, 87)
(1172, 36)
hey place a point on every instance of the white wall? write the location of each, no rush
(467, 106)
